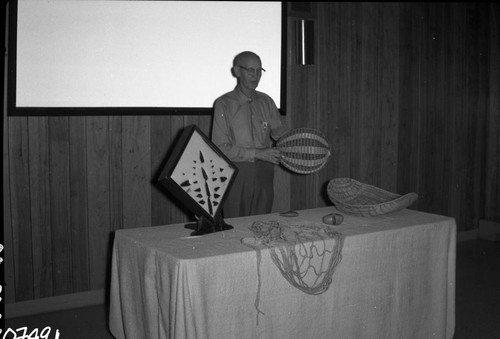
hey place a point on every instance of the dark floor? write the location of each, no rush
(477, 301)
(478, 290)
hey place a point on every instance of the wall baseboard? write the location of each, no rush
(467, 235)
(53, 304)
(489, 230)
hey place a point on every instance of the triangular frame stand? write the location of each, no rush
(206, 226)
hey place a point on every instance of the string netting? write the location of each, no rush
(306, 254)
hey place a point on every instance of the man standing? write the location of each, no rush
(244, 122)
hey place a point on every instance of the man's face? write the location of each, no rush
(249, 71)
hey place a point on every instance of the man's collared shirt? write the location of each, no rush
(242, 124)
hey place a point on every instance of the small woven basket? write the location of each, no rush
(304, 150)
(356, 198)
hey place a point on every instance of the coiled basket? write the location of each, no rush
(303, 150)
(356, 198)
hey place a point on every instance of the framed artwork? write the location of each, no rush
(200, 176)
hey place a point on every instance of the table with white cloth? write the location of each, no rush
(395, 279)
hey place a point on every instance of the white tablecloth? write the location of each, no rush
(396, 279)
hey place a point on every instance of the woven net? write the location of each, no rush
(306, 254)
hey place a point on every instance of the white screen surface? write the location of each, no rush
(97, 53)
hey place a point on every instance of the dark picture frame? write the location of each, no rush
(199, 175)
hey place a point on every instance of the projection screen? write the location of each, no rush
(140, 54)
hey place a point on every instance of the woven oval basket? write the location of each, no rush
(356, 198)
(303, 150)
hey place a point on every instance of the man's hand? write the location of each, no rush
(272, 155)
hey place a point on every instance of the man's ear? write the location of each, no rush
(235, 71)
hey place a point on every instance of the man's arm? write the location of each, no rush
(223, 136)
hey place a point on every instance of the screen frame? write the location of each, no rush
(14, 110)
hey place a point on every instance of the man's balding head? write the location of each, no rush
(245, 57)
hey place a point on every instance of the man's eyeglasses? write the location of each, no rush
(253, 71)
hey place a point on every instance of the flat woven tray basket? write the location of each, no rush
(356, 198)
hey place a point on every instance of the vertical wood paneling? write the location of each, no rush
(20, 207)
(159, 146)
(39, 178)
(388, 96)
(430, 124)
(456, 114)
(369, 127)
(8, 251)
(358, 100)
(447, 112)
(353, 85)
(59, 205)
(348, 91)
(98, 188)
(164, 134)
(476, 59)
(492, 163)
(409, 130)
(115, 173)
(78, 204)
(136, 171)
(434, 120)
(204, 122)
(331, 123)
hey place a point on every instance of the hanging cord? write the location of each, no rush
(296, 265)
(259, 279)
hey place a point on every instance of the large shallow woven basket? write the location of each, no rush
(304, 150)
(356, 198)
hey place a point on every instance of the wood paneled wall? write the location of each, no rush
(407, 94)
(403, 91)
(73, 181)
(491, 199)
